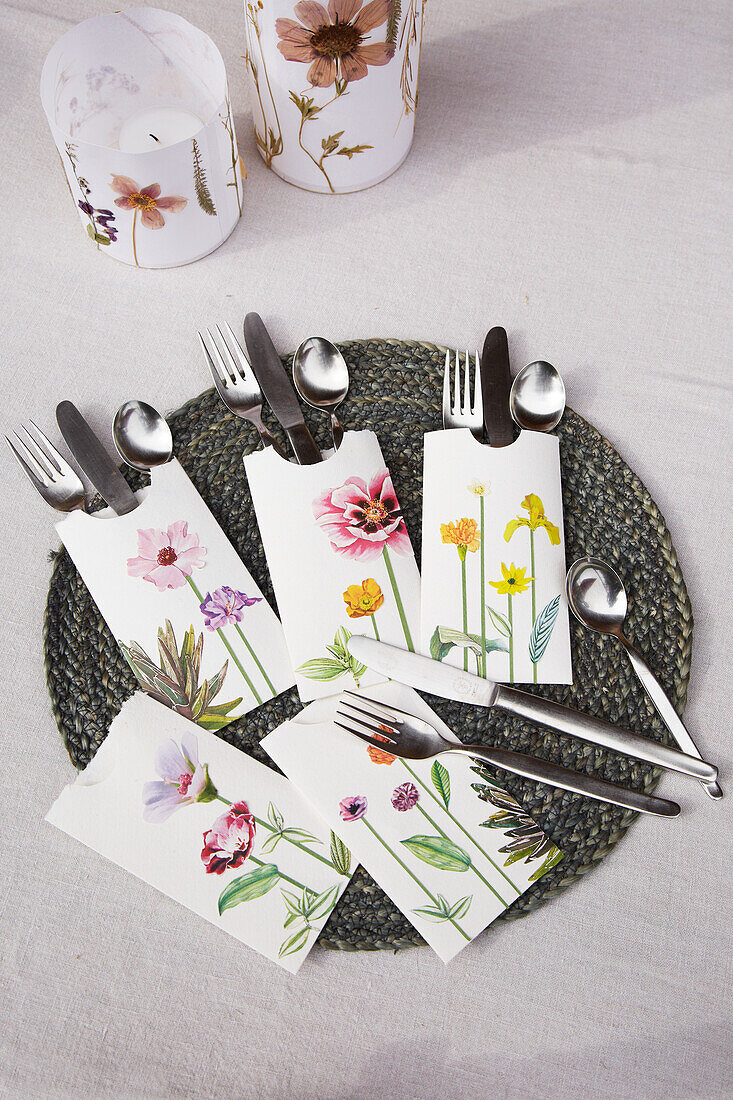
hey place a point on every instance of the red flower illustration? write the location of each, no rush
(229, 840)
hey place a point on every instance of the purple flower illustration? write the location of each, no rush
(405, 797)
(225, 605)
(352, 808)
(183, 780)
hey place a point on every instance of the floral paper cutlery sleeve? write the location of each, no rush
(186, 613)
(493, 558)
(340, 559)
(213, 829)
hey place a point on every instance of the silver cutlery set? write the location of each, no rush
(480, 396)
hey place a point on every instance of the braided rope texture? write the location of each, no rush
(396, 390)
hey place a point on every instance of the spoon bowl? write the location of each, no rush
(321, 378)
(141, 435)
(597, 596)
(537, 397)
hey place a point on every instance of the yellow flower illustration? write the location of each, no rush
(514, 580)
(480, 488)
(535, 519)
(464, 535)
(363, 599)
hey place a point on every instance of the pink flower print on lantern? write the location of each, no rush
(229, 840)
(183, 780)
(166, 558)
(360, 520)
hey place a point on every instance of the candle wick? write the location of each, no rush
(154, 138)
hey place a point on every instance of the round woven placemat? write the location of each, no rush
(396, 390)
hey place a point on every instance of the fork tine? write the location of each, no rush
(226, 354)
(238, 353)
(52, 454)
(478, 401)
(446, 387)
(457, 387)
(467, 387)
(384, 726)
(216, 364)
(381, 732)
(36, 450)
(36, 475)
(385, 708)
(362, 736)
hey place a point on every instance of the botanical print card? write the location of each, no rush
(339, 556)
(424, 830)
(493, 558)
(210, 827)
(186, 613)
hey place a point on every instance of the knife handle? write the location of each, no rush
(599, 732)
(545, 772)
(496, 382)
(301, 441)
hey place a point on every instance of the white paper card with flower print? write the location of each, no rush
(211, 828)
(185, 611)
(339, 556)
(449, 846)
(493, 558)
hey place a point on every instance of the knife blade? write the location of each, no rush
(278, 389)
(94, 459)
(452, 683)
(496, 382)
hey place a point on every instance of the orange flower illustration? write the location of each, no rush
(379, 756)
(363, 599)
(464, 535)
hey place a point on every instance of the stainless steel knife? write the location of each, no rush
(496, 382)
(278, 389)
(452, 683)
(94, 459)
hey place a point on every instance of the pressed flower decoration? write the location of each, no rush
(229, 840)
(145, 201)
(332, 41)
(167, 558)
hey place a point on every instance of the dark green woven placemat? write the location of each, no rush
(396, 390)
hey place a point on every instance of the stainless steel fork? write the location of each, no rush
(393, 730)
(235, 381)
(51, 474)
(458, 409)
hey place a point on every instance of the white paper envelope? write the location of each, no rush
(450, 856)
(339, 556)
(493, 558)
(210, 827)
(186, 613)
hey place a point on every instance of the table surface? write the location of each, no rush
(569, 179)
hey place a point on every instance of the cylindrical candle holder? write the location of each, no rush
(334, 88)
(138, 106)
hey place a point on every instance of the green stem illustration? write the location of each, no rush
(471, 866)
(256, 660)
(465, 608)
(511, 638)
(412, 876)
(465, 831)
(534, 607)
(227, 646)
(287, 878)
(398, 600)
(483, 592)
(374, 626)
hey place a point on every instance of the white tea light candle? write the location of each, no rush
(138, 106)
(157, 128)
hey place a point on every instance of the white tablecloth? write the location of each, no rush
(569, 180)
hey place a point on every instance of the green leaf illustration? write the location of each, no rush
(438, 852)
(341, 661)
(444, 638)
(248, 887)
(203, 195)
(443, 911)
(500, 622)
(441, 781)
(460, 908)
(275, 818)
(322, 668)
(553, 858)
(340, 855)
(320, 904)
(295, 943)
(542, 629)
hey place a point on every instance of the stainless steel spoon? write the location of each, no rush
(597, 598)
(537, 397)
(141, 435)
(321, 378)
